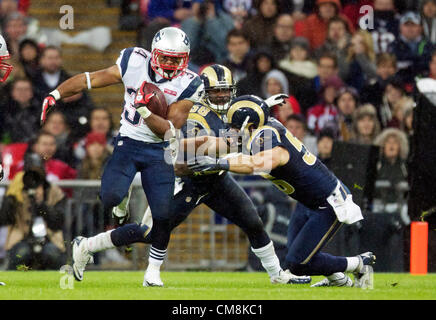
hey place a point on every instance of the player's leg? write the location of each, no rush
(299, 218)
(309, 230)
(116, 180)
(158, 184)
(184, 201)
(229, 200)
(304, 250)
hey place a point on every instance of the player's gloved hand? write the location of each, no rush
(141, 101)
(48, 103)
(1, 172)
(276, 99)
(206, 163)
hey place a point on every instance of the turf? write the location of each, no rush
(103, 285)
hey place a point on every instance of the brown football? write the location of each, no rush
(158, 104)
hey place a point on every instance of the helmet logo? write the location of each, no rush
(157, 37)
(186, 40)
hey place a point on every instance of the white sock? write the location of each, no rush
(100, 242)
(336, 276)
(352, 263)
(155, 259)
(269, 259)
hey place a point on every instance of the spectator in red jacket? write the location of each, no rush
(319, 115)
(41, 152)
(314, 27)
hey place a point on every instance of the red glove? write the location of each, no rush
(48, 103)
(143, 98)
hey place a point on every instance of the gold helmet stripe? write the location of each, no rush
(246, 104)
(211, 76)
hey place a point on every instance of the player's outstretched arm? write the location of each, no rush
(209, 145)
(264, 161)
(98, 79)
(78, 83)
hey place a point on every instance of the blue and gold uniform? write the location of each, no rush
(319, 193)
(304, 177)
(218, 190)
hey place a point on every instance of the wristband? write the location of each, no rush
(56, 95)
(144, 112)
(88, 80)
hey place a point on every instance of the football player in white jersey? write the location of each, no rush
(140, 146)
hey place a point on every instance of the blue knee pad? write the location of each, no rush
(128, 234)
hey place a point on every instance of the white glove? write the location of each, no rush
(276, 99)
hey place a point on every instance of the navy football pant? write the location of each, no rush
(308, 232)
(132, 156)
(227, 198)
(222, 194)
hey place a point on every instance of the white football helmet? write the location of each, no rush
(170, 42)
(5, 69)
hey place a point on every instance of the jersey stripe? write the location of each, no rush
(190, 90)
(125, 60)
(199, 119)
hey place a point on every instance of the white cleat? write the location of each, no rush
(81, 257)
(364, 274)
(152, 279)
(289, 278)
(341, 282)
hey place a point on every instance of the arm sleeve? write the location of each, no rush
(129, 63)
(265, 139)
(193, 92)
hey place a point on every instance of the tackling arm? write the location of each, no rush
(264, 161)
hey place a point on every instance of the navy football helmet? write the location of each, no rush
(247, 112)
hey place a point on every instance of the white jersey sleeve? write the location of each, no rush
(194, 91)
(130, 65)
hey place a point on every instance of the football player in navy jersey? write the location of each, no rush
(142, 141)
(273, 152)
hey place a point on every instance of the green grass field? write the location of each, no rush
(102, 285)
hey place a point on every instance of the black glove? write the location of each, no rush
(1, 173)
(206, 163)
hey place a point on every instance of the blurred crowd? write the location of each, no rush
(346, 80)
(350, 76)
